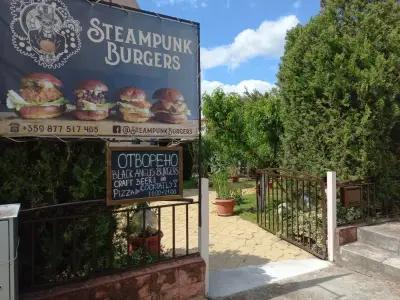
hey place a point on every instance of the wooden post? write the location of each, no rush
(331, 211)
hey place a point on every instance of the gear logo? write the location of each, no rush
(45, 31)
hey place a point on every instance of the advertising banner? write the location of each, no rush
(78, 69)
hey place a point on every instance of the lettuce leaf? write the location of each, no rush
(59, 102)
(185, 112)
(15, 101)
(93, 106)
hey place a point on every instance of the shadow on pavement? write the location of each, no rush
(280, 289)
(230, 259)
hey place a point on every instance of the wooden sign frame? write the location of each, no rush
(111, 149)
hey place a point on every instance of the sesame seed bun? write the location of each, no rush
(168, 95)
(131, 94)
(43, 77)
(92, 85)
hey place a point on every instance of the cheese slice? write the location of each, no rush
(129, 108)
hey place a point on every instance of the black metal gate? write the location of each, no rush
(292, 205)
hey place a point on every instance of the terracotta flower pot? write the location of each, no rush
(235, 178)
(150, 244)
(225, 206)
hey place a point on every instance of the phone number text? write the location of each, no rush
(34, 128)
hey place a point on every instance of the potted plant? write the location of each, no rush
(145, 236)
(225, 200)
(234, 173)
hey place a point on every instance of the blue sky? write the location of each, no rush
(241, 40)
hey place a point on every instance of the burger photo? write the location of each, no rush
(170, 106)
(91, 100)
(133, 105)
(39, 97)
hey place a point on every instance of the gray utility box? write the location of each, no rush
(8, 251)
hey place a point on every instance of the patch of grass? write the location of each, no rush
(247, 208)
(192, 183)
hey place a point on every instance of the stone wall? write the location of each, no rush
(179, 280)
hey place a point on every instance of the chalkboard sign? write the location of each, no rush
(144, 174)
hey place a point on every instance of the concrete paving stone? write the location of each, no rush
(392, 268)
(230, 282)
(327, 284)
(233, 241)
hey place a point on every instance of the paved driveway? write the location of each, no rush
(234, 242)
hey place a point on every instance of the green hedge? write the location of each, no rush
(49, 172)
(340, 88)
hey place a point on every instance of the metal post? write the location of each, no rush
(8, 251)
(204, 229)
(331, 210)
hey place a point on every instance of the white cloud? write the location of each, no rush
(194, 3)
(240, 88)
(297, 4)
(268, 40)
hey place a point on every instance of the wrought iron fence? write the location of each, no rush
(367, 202)
(292, 205)
(76, 241)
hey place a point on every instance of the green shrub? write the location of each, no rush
(219, 181)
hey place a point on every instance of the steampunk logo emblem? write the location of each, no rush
(45, 31)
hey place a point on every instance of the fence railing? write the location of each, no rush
(292, 205)
(77, 241)
(367, 202)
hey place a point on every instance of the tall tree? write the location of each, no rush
(340, 87)
(243, 129)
